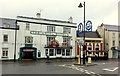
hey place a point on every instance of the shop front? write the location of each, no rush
(28, 53)
(58, 52)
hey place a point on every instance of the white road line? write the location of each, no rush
(106, 69)
(81, 69)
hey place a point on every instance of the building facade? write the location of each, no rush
(111, 36)
(37, 37)
(94, 45)
(7, 38)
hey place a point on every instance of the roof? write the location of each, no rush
(93, 34)
(6, 23)
(111, 27)
(46, 19)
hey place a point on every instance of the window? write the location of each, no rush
(113, 42)
(28, 39)
(66, 30)
(39, 53)
(97, 47)
(46, 52)
(119, 43)
(27, 26)
(113, 35)
(63, 52)
(89, 52)
(89, 47)
(4, 52)
(51, 28)
(66, 40)
(5, 38)
(67, 52)
(49, 39)
(58, 51)
(51, 52)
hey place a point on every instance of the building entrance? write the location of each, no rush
(28, 53)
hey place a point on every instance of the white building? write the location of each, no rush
(111, 36)
(37, 37)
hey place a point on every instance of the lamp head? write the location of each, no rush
(80, 5)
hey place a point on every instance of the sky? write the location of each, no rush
(97, 11)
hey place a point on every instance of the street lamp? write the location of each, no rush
(84, 47)
(15, 40)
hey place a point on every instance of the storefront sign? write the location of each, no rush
(54, 43)
(48, 33)
(28, 50)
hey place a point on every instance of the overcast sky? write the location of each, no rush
(98, 11)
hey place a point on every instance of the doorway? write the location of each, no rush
(28, 55)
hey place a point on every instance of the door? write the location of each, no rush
(58, 53)
(28, 55)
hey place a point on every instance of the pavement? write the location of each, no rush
(102, 67)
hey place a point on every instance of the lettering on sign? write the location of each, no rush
(28, 50)
(48, 33)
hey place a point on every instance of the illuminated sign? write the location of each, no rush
(28, 50)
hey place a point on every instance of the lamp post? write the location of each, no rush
(15, 40)
(84, 47)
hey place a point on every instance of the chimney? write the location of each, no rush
(38, 15)
(70, 19)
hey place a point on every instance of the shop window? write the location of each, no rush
(63, 52)
(51, 52)
(97, 47)
(101, 53)
(89, 47)
(67, 52)
(28, 39)
(5, 38)
(89, 52)
(4, 52)
(58, 51)
(27, 26)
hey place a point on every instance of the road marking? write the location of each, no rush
(106, 69)
(80, 69)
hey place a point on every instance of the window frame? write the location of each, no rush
(4, 52)
(5, 39)
(28, 39)
(51, 28)
(27, 26)
(66, 30)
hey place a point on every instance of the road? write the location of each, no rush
(36, 67)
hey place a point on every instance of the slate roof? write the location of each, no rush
(111, 27)
(6, 23)
(93, 34)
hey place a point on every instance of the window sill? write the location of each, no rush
(4, 57)
(4, 42)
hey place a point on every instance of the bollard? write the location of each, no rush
(89, 60)
(78, 60)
